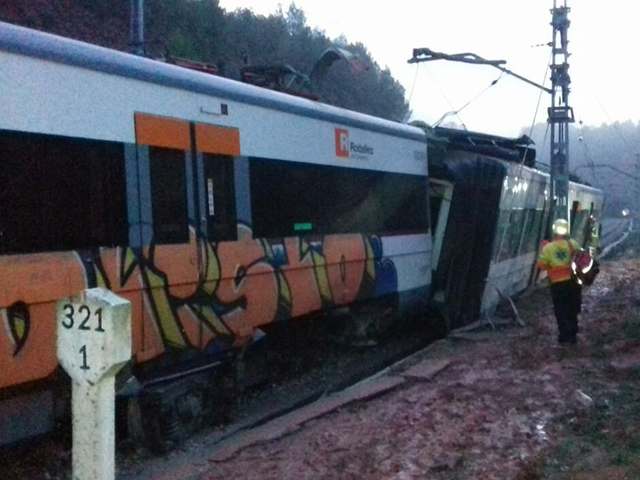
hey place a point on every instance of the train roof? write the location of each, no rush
(32, 43)
(504, 148)
(467, 137)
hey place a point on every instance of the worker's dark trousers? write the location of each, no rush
(567, 300)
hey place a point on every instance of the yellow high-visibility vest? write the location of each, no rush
(555, 258)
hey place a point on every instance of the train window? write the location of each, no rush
(501, 231)
(290, 198)
(580, 226)
(576, 207)
(533, 234)
(513, 235)
(516, 224)
(60, 193)
(169, 195)
(220, 197)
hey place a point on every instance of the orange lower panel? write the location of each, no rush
(243, 286)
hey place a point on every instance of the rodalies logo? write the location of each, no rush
(342, 143)
(348, 149)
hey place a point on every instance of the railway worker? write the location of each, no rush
(555, 259)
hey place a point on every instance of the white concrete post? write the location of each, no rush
(94, 343)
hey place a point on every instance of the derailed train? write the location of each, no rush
(490, 211)
(219, 208)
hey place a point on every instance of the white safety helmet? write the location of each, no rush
(561, 227)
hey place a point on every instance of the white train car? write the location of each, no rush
(215, 207)
(524, 212)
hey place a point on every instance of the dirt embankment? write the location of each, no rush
(511, 404)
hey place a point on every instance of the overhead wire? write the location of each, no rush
(535, 117)
(535, 113)
(630, 148)
(444, 95)
(456, 112)
(537, 110)
(613, 124)
(413, 86)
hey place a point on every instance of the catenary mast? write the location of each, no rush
(136, 43)
(560, 113)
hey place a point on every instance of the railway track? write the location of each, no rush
(344, 375)
(613, 229)
(299, 374)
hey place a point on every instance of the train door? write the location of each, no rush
(186, 202)
(185, 196)
(218, 169)
(167, 246)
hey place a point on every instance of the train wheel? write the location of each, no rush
(367, 327)
(165, 417)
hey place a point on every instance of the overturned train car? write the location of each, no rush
(490, 208)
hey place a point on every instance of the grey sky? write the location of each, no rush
(604, 40)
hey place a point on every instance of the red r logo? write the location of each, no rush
(342, 143)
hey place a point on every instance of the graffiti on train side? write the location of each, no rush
(204, 295)
(252, 282)
(17, 321)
